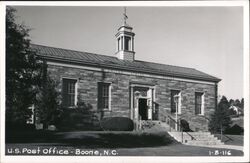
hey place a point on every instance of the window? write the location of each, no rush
(173, 102)
(31, 118)
(119, 43)
(104, 98)
(127, 43)
(199, 103)
(69, 92)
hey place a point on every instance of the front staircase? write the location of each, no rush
(196, 138)
(188, 138)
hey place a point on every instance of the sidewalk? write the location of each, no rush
(236, 147)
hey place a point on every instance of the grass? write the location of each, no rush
(170, 150)
(94, 139)
(175, 150)
(125, 143)
(236, 139)
(117, 139)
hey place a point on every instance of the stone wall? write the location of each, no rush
(120, 93)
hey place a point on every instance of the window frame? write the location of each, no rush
(179, 101)
(75, 91)
(202, 103)
(127, 43)
(119, 43)
(31, 119)
(100, 96)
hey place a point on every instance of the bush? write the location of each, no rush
(81, 118)
(234, 130)
(117, 124)
(185, 125)
(14, 127)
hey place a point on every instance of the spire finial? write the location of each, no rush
(125, 17)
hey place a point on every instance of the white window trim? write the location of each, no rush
(202, 103)
(31, 119)
(179, 100)
(110, 102)
(76, 89)
(179, 103)
(76, 92)
(109, 97)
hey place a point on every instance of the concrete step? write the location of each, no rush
(199, 142)
(201, 138)
(203, 142)
(198, 137)
(189, 138)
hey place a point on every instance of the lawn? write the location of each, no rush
(177, 150)
(231, 139)
(123, 143)
(169, 150)
(96, 139)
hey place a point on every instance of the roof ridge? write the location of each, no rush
(191, 68)
(111, 56)
(71, 50)
(167, 64)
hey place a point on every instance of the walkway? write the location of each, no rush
(236, 147)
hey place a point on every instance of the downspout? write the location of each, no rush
(216, 95)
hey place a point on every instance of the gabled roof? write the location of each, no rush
(97, 60)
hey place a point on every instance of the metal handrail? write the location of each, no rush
(222, 134)
(192, 138)
(228, 138)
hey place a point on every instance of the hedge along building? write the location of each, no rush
(126, 87)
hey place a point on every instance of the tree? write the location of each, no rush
(22, 71)
(237, 103)
(47, 102)
(231, 102)
(242, 103)
(220, 119)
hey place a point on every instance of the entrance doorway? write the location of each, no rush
(142, 98)
(143, 109)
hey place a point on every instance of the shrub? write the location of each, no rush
(117, 124)
(234, 130)
(19, 127)
(185, 125)
(81, 118)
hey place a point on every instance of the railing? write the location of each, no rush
(179, 127)
(175, 125)
(140, 123)
(221, 137)
(172, 123)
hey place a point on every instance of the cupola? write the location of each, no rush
(125, 41)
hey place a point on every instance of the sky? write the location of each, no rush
(209, 39)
